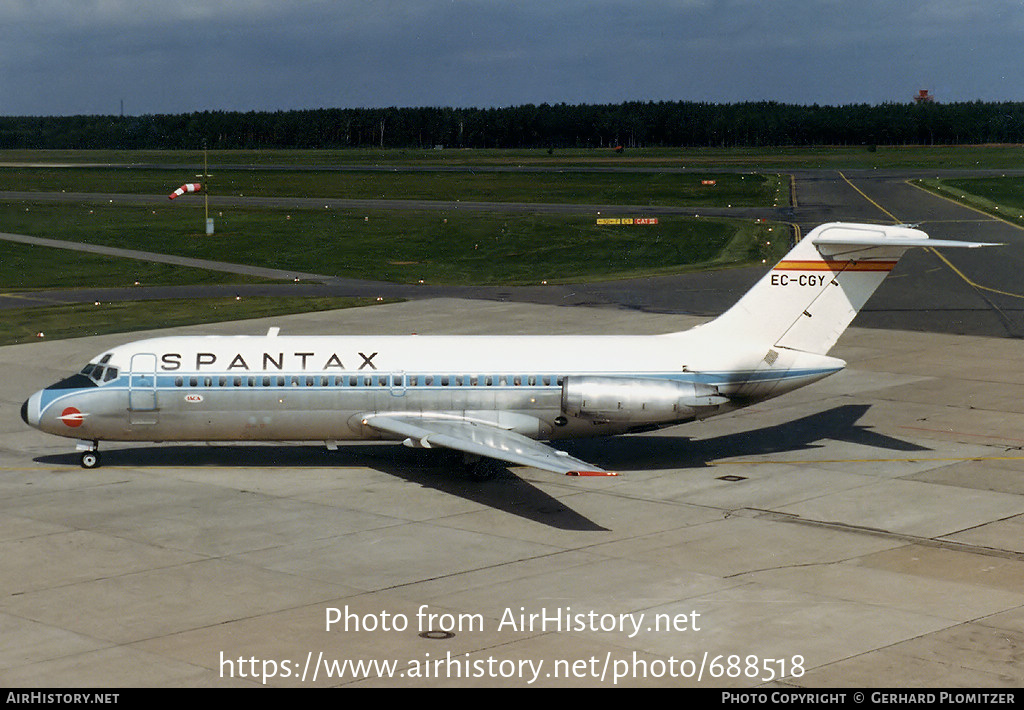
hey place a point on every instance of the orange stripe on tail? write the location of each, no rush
(835, 266)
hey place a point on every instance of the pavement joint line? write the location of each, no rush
(936, 542)
(950, 432)
(906, 459)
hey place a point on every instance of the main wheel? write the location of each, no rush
(482, 470)
(90, 459)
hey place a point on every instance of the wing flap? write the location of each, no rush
(482, 440)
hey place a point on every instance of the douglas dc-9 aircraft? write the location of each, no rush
(485, 396)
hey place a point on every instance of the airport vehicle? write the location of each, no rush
(490, 398)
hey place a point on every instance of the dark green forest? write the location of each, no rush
(631, 125)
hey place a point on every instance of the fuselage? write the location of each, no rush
(318, 388)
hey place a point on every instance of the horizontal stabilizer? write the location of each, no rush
(886, 241)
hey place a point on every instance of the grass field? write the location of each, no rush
(399, 246)
(1000, 196)
(25, 267)
(709, 158)
(559, 187)
(409, 246)
(23, 325)
(389, 245)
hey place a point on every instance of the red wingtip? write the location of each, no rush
(591, 473)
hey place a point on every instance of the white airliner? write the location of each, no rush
(489, 397)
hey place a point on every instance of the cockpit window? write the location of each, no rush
(98, 373)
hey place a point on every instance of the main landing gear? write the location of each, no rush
(90, 457)
(478, 468)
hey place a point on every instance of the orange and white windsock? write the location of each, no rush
(188, 187)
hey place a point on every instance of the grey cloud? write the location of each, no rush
(83, 57)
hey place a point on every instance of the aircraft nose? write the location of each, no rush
(30, 410)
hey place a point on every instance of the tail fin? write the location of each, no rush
(811, 296)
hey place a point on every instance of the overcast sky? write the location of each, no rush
(63, 57)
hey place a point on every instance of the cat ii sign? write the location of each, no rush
(626, 220)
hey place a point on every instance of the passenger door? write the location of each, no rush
(142, 403)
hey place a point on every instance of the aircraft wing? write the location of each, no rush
(483, 440)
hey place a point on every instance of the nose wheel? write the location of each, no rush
(90, 457)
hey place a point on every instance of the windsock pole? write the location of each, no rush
(206, 194)
(203, 187)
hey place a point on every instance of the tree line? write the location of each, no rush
(630, 125)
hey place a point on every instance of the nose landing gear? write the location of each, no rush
(90, 457)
